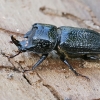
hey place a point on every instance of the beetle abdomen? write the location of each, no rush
(79, 40)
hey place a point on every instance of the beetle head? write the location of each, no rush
(42, 38)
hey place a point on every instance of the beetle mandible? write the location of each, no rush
(73, 42)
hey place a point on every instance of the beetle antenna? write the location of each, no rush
(10, 56)
(15, 55)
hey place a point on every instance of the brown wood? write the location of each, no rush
(52, 80)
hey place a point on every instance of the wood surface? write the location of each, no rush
(52, 80)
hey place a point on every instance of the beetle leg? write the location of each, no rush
(91, 57)
(42, 58)
(70, 67)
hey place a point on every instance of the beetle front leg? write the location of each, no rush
(70, 67)
(42, 58)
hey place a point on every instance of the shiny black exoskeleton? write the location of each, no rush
(67, 41)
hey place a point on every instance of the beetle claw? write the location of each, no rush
(16, 42)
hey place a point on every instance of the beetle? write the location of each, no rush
(69, 42)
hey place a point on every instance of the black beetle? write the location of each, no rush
(67, 41)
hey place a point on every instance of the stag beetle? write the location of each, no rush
(67, 41)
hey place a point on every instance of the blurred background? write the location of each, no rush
(18, 16)
(51, 80)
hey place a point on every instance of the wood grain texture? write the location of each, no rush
(52, 80)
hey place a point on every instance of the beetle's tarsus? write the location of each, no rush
(78, 74)
(70, 67)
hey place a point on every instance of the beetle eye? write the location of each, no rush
(34, 27)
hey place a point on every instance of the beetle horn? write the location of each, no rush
(16, 42)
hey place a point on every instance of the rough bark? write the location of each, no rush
(51, 80)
